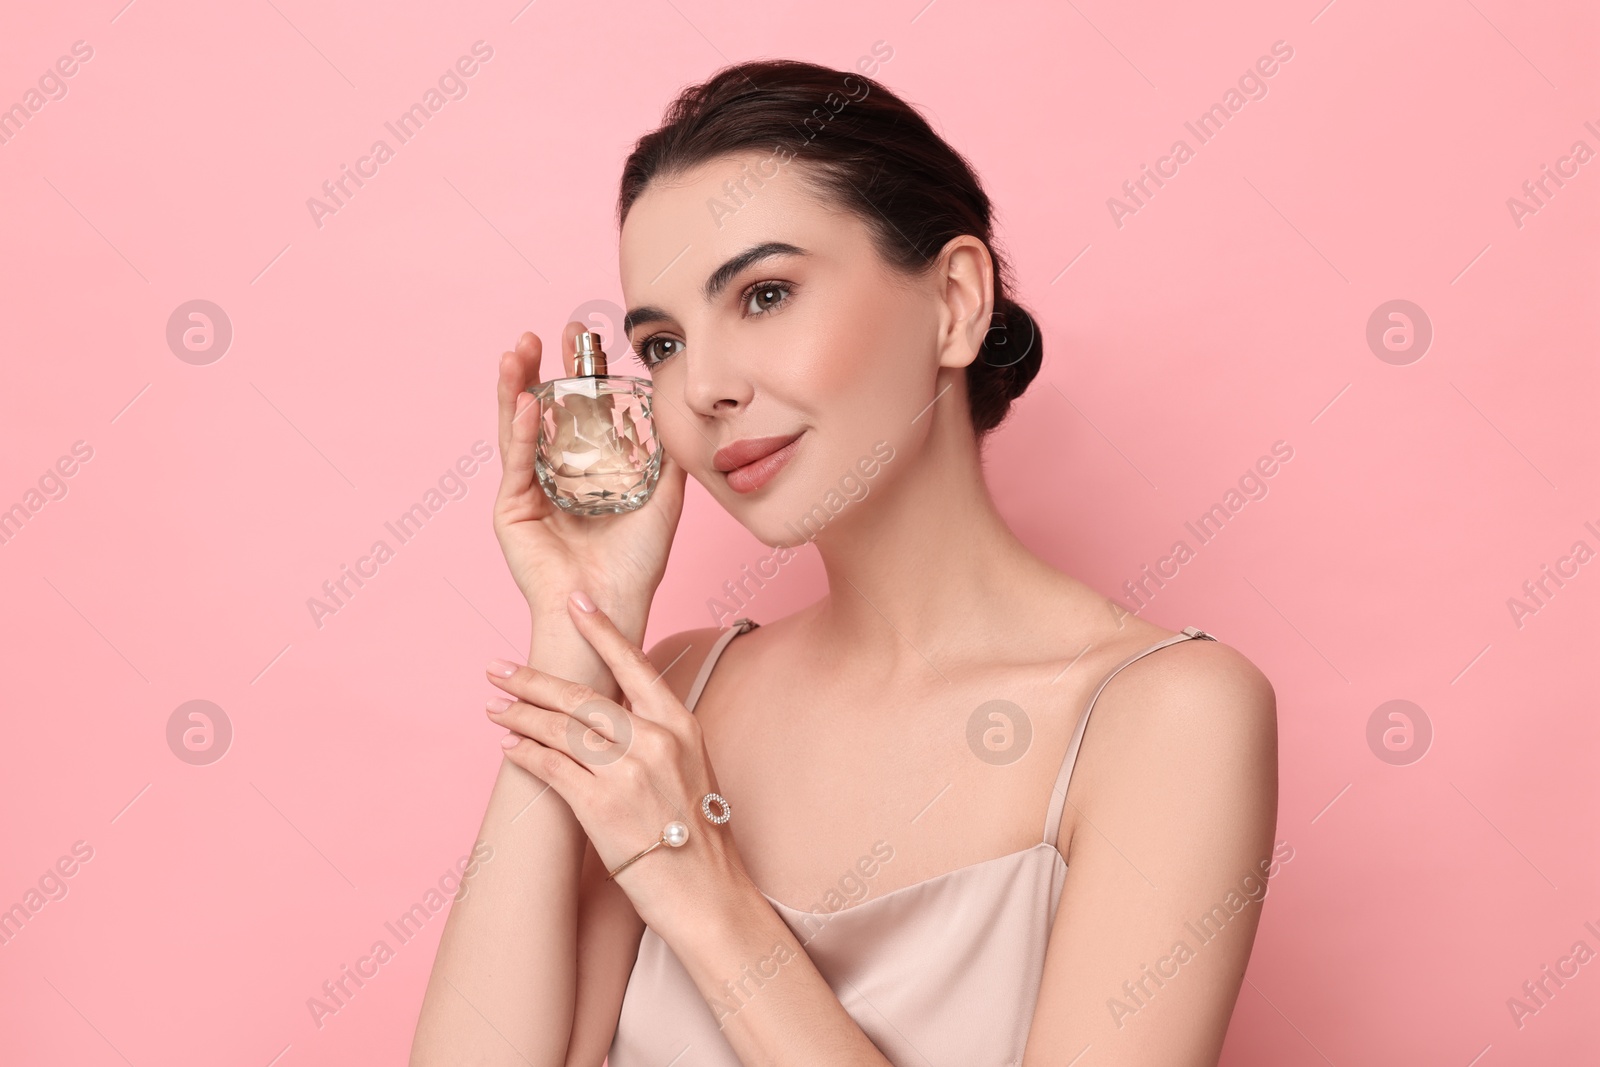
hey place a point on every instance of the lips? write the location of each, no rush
(742, 453)
(773, 454)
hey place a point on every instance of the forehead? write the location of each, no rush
(683, 226)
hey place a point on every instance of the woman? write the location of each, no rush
(808, 265)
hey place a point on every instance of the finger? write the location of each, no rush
(519, 372)
(629, 665)
(517, 460)
(580, 702)
(553, 768)
(596, 735)
(516, 372)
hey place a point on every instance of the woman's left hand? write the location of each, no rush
(624, 773)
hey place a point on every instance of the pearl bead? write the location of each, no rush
(676, 833)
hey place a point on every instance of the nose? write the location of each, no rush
(716, 377)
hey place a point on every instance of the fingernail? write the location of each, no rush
(502, 668)
(509, 741)
(499, 704)
(580, 598)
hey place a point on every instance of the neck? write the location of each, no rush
(920, 575)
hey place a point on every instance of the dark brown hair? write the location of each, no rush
(866, 149)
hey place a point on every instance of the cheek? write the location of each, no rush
(859, 355)
(675, 433)
(863, 394)
(828, 370)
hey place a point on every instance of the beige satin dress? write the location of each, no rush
(942, 973)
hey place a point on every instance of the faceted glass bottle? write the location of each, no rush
(597, 452)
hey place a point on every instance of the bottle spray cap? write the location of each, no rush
(590, 357)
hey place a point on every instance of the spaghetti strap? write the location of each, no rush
(739, 626)
(1058, 795)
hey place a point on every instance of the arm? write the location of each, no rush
(792, 1017)
(504, 986)
(701, 900)
(745, 938)
(608, 927)
(1169, 835)
(503, 983)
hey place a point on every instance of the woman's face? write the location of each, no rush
(764, 313)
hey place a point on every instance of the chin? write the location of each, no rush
(776, 521)
(793, 519)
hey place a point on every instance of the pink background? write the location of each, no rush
(1227, 314)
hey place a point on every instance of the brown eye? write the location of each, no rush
(762, 297)
(650, 354)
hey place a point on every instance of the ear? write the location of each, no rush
(965, 275)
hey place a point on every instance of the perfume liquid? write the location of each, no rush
(597, 452)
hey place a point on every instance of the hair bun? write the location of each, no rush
(1012, 352)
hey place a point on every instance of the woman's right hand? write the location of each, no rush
(617, 559)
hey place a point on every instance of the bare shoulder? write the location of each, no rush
(679, 657)
(1189, 730)
(1202, 685)
(1168, 831)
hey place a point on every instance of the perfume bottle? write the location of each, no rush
(597, 452)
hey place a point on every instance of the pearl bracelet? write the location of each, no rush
(676, 833)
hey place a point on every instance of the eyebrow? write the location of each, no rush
(717, 281)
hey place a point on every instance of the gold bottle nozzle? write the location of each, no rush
(590, 359)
